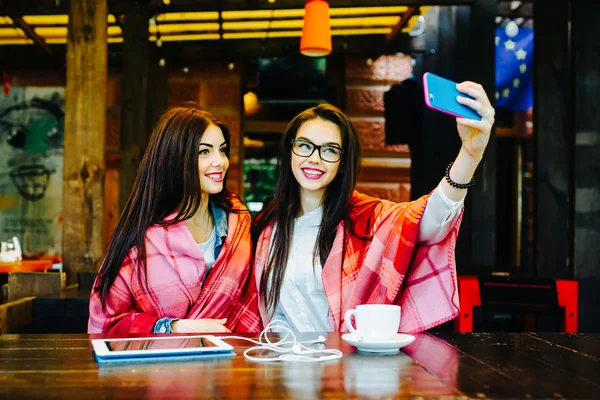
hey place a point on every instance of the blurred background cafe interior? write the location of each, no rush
(85, 81)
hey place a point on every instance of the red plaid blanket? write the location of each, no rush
(390, 269)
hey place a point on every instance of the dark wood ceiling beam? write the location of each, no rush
(30, 32)
(47, 7)
(396, 30)
(185, 53)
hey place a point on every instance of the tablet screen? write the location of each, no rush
(158, 344)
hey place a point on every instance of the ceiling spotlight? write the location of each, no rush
(162, 62)
(186, 70)
(369, 61)
(231, 66)
(158, 43)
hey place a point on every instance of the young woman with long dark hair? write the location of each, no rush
(179, 259)
(322, 248)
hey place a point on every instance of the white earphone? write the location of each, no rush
(298, 351)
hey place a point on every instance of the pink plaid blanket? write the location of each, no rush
(390, 269)
(175, 267)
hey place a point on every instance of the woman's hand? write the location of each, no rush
(475, 134)
(204, 325)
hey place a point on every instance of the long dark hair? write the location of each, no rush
(285, 206)
(167, 181)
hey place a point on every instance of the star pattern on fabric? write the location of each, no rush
(523, 68)
(513, 69)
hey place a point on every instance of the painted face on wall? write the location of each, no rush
(34, 128)
(316, 155)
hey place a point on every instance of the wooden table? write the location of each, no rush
(441, 365)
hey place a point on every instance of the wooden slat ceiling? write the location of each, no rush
(230, 24)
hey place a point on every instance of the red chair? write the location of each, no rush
(527, 295)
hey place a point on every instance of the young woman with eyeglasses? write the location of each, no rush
(321, 248)
(180, 257)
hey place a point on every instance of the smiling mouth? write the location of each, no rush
(216, 177)
(312, 173)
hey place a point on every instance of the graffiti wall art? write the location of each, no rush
(31, 169)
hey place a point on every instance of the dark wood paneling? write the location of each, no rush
(134, 131)
(553, 138)
(586, 51)
(479, 65)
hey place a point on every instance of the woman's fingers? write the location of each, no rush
(474, 104)
(480, 103)
(474, 90)
(482, 125)
(481, 109)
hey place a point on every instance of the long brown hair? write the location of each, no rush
(285, 206)
(167, 181)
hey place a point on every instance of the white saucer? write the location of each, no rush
(380, 347)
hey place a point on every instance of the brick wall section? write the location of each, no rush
(389, 68)
(372, 137)
(365, 87)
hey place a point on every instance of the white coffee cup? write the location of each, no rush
(374, 322)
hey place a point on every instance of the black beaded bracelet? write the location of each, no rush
(457, 185)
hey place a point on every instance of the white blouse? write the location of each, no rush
(302, 302)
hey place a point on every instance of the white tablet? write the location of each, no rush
(159, 346)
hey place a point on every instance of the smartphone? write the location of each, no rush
(158, 346)
(440, 95)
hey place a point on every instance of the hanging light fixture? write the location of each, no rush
(316, 31)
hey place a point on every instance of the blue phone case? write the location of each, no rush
(440, 95)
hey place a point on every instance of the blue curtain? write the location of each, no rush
(514, 70)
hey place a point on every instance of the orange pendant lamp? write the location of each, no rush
(316, 32)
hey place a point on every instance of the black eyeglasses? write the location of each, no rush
(304, 148)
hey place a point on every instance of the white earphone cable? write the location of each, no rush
(289, 350)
